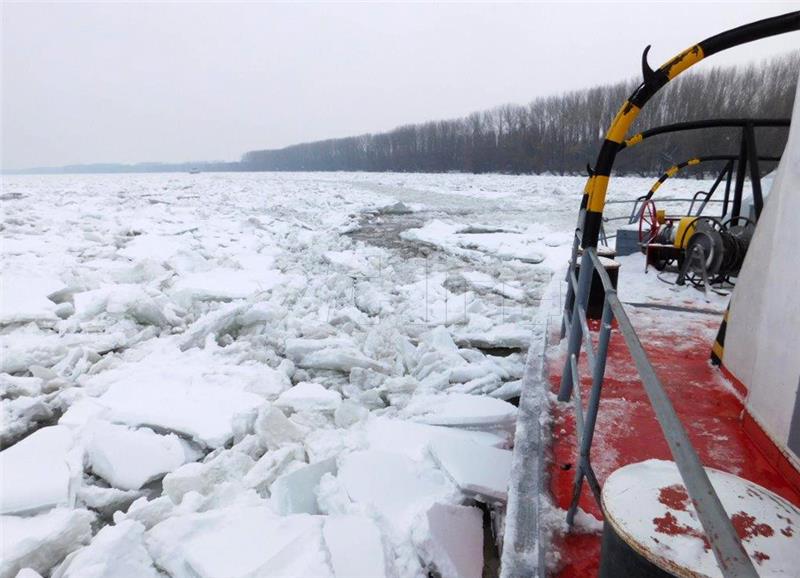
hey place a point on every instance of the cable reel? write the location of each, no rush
(715, 251)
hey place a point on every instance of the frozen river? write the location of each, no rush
(189, 361)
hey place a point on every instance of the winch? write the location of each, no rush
(705, 249)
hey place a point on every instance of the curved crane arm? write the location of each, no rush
(595, 192)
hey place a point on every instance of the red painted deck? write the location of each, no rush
(628, 432)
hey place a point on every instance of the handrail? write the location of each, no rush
(702, 124)
(726, 545)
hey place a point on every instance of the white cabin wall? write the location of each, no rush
(762, 342)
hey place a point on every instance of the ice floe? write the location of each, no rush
(393, 484)
(40, 542)
(295, 492)
(451, 540)
(115, 552)
(238, 543)
(38, 472)
(130, 458)
(457, 409)
(479, 471)
(355, 546)
(309, 396)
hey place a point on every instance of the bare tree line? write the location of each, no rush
(560, 134)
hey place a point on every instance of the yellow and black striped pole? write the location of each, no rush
(675, 169)
(597, 185)
(670, 172)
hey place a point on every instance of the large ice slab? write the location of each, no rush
(355, 547)
(340, 360)
(306, 396)
(224, 284)
(480, 471)
(274, 429)
(40, 542)
(27, 346)
(115, 552)
(507, 335)
(451, 540)
(160, 246)
(464, 410)
(120, 300)
(23, 298)
(240, 543)
(128, 459)
(413, 439)
(295, 492)
(36, 471)
(206, 413)
(396, 486)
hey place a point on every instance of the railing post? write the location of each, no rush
(755, 172)
(584, 468)
(576, 332)
(570, 293)
(576, 243)
(741, 171)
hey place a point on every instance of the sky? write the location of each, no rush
(180, 81)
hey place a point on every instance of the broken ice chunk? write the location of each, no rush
(128, 459)
(165, 246)
(506, 336)
(36, 471)
(203, 412)
(224, 284)
(28, 573)
(274, 429)
(480, 471)
(12, 386)
(27, 346)
(115, 552)
(397, 487)
(412, 439)
(229, 465)
(267, 469)
(355, 547)
(458, 409)
(240, 543)
(297, 348)
(40, 542)
(106, 501)
(24, 298)
(20, 416)
(450, 539)
(122, 300)
(341, 360)
(307, 396)
(295, 492)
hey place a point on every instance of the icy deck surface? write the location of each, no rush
(240, 355)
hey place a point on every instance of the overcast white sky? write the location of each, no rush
(102, 82)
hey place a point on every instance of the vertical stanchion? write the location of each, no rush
(576, 331)
(755, 173)
(741, 171)
(598, 374)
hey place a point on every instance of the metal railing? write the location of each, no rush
(731, 557)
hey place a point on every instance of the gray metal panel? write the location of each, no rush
(794, 425)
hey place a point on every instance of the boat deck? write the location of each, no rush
(678, 341)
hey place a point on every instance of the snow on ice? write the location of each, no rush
(266, 374)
